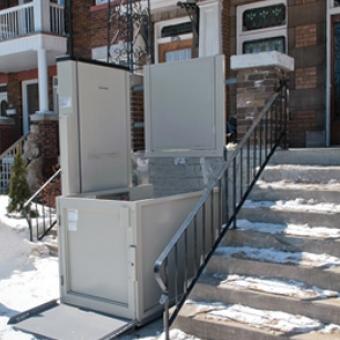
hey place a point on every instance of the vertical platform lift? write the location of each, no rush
(110, 233)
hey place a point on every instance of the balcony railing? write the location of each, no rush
(37, 16)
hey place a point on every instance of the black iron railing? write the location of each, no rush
(40, 210)
(182, 261)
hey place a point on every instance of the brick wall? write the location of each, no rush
(48, 136)
(306, 44)
(7, 136)
(137, 117)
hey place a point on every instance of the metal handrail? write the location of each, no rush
(13, 146)
(275, 130)
(48, 217)
(42, 188)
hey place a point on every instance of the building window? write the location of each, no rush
(336, 3)
(3, 100)
(264, 17)
(173, 40)
(265, 45)
(262, 27)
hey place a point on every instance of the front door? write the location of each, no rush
(335, 93)
(31, 103)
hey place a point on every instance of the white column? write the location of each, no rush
(42, 15)
(210, 40)
(43, 80)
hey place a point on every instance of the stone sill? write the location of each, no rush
(261, 60)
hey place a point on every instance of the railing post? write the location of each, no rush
(166, 304)
(42, 22)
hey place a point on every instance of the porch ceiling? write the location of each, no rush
(20, 54)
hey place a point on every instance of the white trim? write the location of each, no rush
(158, 33)
(55, 95)
(331, 10)
(161, 4)
(25, 114)
(265, 33)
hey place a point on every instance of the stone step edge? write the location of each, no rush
(191, 314)
(313, 308)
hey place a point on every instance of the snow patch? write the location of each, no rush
(28, 276)
(331, 329)
(276, 256)
(291, 288)
(302, 230)
(272, 321)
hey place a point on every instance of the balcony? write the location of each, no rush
(27, 28)
(25, 19)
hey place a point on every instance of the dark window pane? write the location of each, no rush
(336, 3)
(175, 30)
(265, 45)
(264, 17)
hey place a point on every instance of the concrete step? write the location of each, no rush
(216, 321)
(272, 213)
(282, 242)
(325, 278)
(214, 288)
(310, 156)
(302, 174)
(275, 191)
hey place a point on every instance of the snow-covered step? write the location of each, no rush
(215, 320)
(290, 296)
(302, 174)
(285, 238)
(297, 211)
(308, 156)
(275, 191)
(327, 277)
(282, 257)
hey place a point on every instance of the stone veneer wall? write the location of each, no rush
(171, 176)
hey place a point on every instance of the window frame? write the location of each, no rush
(3, 97)
(158, 34)
(262, 33)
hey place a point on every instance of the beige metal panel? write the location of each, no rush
(94, 127)
(107, 251)
(68, 127)
(104, 127)
(160, 219)
(94, 255)
(185, 108)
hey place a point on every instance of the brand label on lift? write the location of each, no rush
(72, 217)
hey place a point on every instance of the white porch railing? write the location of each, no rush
(57, 19)
(34, 17)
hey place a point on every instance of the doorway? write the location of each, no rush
(30, 94)
(335, 81)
